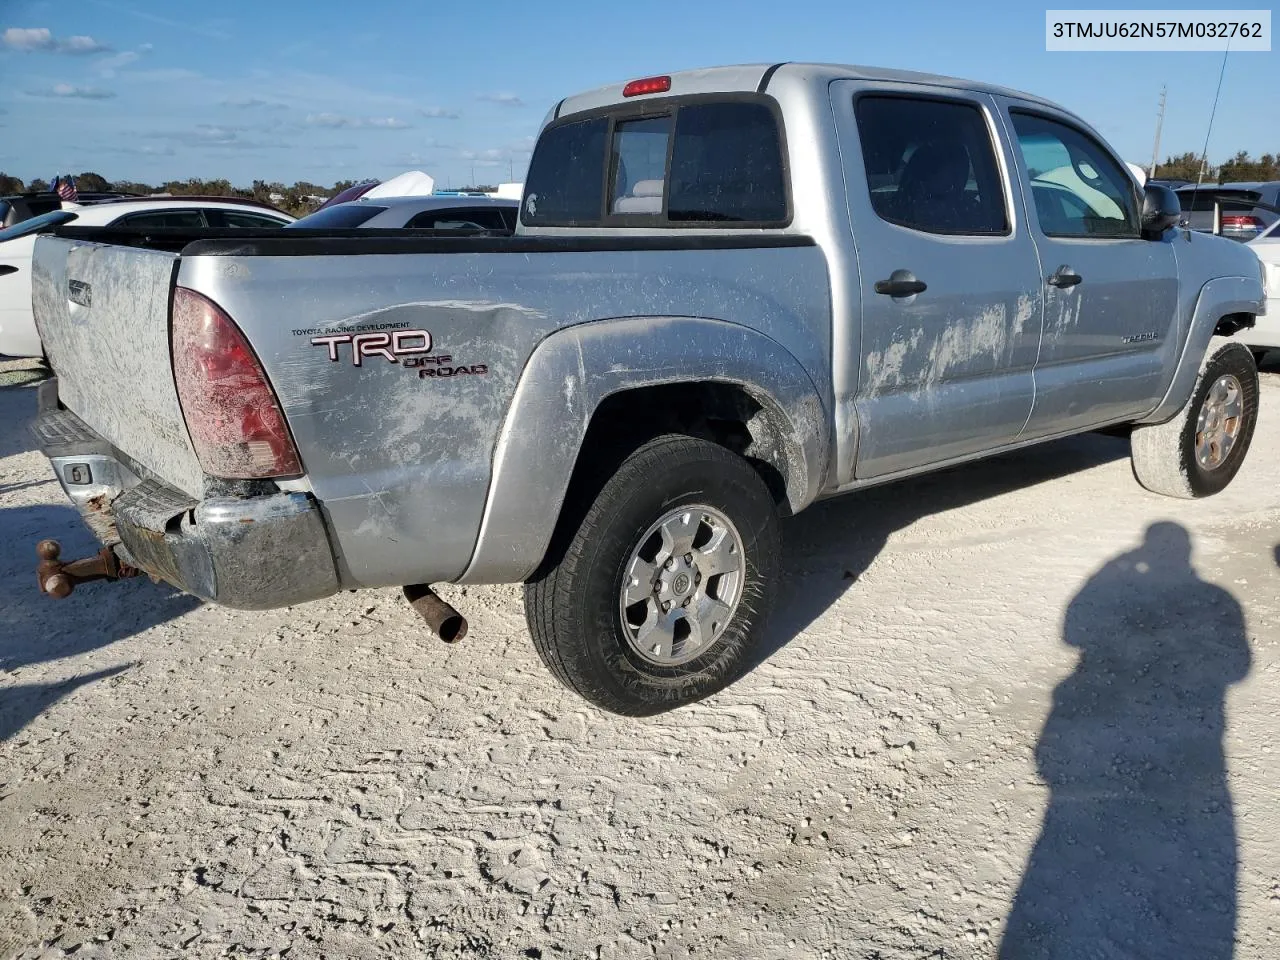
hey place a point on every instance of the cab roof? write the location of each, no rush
(755, 77)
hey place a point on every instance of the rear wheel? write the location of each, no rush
(1199, 451)
(658, 596)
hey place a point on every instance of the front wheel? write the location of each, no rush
(661, 593)
(1199, 451)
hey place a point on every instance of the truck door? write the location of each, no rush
(1111, 297)
(950, 284)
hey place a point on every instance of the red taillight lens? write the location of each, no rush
(235, 422)
(1241, 222)
(648, 85)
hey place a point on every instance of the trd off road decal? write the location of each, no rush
(411, 348)
(392, 346)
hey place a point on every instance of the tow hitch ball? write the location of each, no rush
(58, 579)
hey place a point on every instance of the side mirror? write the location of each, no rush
(1161, 210)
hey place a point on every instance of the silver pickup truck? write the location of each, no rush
(733, 292)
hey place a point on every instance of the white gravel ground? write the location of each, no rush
(1002, 715)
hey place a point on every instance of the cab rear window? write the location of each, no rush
(692, 162)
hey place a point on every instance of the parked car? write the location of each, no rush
(681, 343)
(429, 212)
(23, 206)
(1264, 335)
(18, 336)
(1242, 218)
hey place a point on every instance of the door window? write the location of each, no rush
(1078, 187)
(930, 165)
(165, 218)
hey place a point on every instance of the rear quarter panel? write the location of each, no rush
(402, 462)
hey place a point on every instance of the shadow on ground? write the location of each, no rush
(35, 629)
(831, 544)
(1137, 853)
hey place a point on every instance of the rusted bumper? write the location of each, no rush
(252, 552)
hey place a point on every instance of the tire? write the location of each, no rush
(1165, 456)
(578, 615)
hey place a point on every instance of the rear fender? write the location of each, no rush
(572, 371)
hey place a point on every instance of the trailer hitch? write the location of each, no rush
(58, 579)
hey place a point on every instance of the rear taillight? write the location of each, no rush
(235, 421)
(1236, 221)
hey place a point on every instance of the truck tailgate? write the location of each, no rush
(103, 314)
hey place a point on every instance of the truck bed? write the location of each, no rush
(400, 454)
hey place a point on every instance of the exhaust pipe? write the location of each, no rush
(445, 622)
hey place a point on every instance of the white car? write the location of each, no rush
(1265, 335)
(433, 212)
(18, 336)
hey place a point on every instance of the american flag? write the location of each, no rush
(65, 188)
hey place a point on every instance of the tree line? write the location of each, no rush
(298, 199)
(1241, 168)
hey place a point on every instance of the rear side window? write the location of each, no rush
(726, 165)
(186, 219)
(694, 162)
(930, 165)
(566, 174)
(344, 216)
(463, 218)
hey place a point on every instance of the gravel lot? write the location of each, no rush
(1020, 709)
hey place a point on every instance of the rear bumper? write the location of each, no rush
(253, 553)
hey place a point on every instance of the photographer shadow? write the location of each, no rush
(1137, 855)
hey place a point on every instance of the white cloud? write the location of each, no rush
(439, 113)
(337, 121)
(82, 45)
(28, 38)
(41, 39)
(505, 99)
(143, 150)
(107, 66)
(412, 160)
(252, 103)
(485, 158)
(73, 92)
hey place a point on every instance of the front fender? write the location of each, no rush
(572, 371)
(1218, 298)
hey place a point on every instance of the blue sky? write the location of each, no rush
(321, 91)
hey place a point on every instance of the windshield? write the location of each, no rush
(46, 221)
